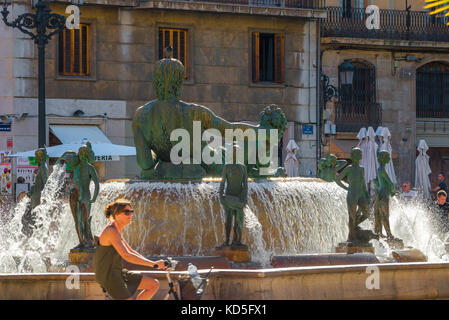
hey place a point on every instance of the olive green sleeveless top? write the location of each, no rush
(106, 260)
(110, 274)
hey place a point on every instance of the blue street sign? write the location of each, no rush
(5, 126)
(307, 129)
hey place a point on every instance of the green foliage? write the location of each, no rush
(273, 117)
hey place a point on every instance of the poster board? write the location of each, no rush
(26, 170)
(6, 184)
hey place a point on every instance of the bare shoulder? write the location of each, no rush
(108, 235)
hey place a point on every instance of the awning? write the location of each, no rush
(342, 148)
(76, 134)
(73, 137)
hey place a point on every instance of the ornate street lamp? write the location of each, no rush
(346, 71)
(346, 76)
(328, 91)
(46, 24)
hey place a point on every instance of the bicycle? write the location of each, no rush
(185, 284)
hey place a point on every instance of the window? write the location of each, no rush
(432, 90)
(177, 39)
(74, 52)
(357, 105)
(363, 89)
(268, 57)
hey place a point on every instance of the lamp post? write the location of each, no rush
(46, 24)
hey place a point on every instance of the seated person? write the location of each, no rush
(441, 183)
(443, 210)
(407, 193)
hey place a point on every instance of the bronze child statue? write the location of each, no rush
(329, 167)
(234, 199)
(384, 190)
(357, 200)
(28, 219)
(81, 199)
(41, 177)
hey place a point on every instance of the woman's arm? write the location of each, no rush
(131, 249)
(111, 236)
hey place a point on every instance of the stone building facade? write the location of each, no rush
(99, 76)
(400, 81)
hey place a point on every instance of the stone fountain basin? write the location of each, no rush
(396, 281)
(186, 218)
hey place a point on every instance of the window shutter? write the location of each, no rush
(85, 50)
(76, 51)
(177, 39)
(161, 44)
(256, 57)
(67, 51)
(73, 51)
(61, 52)
(279, 58)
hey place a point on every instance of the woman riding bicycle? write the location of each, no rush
(118, 282)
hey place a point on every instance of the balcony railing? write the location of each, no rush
(394, 25)
(292, 4)
(432, 111)
(351, 116)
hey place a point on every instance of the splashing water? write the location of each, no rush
(287, 217)
(416, 223)
(50, 241)
(259, 253)
(294, 216)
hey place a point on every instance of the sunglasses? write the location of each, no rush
(128, 212)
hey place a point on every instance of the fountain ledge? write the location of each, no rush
(397, 281)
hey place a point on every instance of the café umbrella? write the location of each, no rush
(362, 139)
(422, 169)
(369, 158)
(102, 151)
(386, 145)
(291, 162)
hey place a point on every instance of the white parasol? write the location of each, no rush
(386, 145)
(369, 159)
(291, 163)
(102, 151)
(379, 131)
(422, 169)
(362, 137)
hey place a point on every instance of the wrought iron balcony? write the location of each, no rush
(351, 116)
(394, 25)
(292, 4)
(432, 111)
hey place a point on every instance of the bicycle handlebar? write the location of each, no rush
(168, 263)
